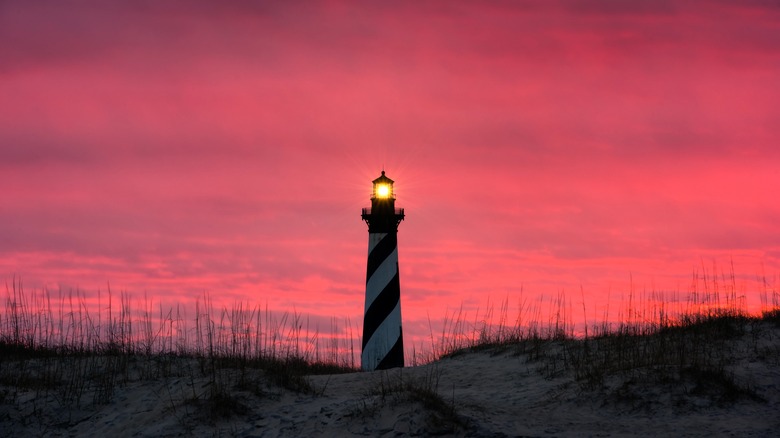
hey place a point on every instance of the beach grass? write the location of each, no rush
(56, 349)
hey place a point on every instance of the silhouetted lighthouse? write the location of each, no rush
(383, 341)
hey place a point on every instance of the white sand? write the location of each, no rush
(494, 393)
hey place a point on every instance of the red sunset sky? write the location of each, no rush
(176, 148)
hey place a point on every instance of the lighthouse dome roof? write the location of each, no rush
(382, 179)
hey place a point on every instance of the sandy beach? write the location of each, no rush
(523, 389)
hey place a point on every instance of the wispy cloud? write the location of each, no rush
(179, 147)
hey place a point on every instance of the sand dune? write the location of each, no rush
(527, 389)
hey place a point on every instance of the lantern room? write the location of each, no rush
(383, 188)
(382, 216)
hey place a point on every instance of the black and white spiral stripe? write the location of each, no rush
(382, 335)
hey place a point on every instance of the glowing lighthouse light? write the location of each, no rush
(383, 191)
(383, 342)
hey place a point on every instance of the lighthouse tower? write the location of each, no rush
(383, 341)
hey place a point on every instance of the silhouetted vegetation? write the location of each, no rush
(61, 351)
(216, 361)
(688, 353)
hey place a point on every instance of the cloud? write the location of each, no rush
(183, 147)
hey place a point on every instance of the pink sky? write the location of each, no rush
(177, 148)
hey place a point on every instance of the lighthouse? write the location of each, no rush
(383, 341)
